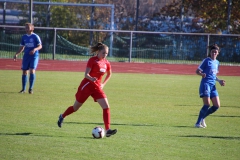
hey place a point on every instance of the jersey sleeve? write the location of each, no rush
(38, 40)
(203, 65)
(108, 66)
(90, 63)
(22, 41)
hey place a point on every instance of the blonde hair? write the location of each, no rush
(98, 47)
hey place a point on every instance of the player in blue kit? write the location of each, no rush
(208, 69)
(30, 44)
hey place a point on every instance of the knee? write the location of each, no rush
(75, 109)
(76, 106)
(32, 71)
(105, 106)
(217, 106)
(24, 72)
(214, 108)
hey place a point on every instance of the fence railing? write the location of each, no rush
(124, 46)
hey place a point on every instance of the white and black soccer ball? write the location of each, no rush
(98, 132)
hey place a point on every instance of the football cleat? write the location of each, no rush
(203, 123)
(199, 126)
(60, 121)
(30, 91)
(22, 91)
(111, 132)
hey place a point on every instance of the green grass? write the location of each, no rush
(154, 114)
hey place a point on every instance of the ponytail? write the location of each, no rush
(99, 46)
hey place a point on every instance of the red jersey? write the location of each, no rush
(98, 68)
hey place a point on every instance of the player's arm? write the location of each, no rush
(21, 48)
(199, 72)
(36, 49)
(87, 75)
(221, 82)
(108, 76)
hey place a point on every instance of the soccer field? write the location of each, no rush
(154, 114)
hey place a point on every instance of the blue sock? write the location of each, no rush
(210, 111)
(24, 82)
(31, 81)
(202, 113)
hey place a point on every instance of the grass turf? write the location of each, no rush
(154, 114)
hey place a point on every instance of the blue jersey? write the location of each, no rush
(210, 68)
(30, 42)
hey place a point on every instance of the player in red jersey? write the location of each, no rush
(92, 85)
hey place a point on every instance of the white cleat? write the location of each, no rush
(203, 123)
(199, 126)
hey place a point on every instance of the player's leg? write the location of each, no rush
(204, 91)
(25, 68)
(68, 111)
(24, 80)
(215, 101)
(81, 96)
(214, 108)
(203, 111)
(32, 77)
(72, 109)
(103, 102)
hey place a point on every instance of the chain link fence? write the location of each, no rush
(126, 46)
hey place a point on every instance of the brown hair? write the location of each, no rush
(98, 47)
(214, 46)
(30, 24)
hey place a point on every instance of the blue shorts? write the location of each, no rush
(208, 90)
(29, 62)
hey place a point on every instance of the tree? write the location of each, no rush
(214, 13)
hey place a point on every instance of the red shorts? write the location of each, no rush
(87, 89)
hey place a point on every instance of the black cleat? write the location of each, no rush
(60, 121)
(22, 91)
(111, 132)
(30, 91)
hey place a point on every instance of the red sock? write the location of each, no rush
(106, 118)
(68, 111)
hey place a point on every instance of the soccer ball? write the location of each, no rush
(98, 132)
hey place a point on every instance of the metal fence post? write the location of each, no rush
(54, 44)
(111, 28)
(208, 41)
(30, 18)
(130, 50)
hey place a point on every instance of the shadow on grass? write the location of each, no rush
(183, 126)
(88, 137)
(17, 134)
(181, 105)
(37, 135)
(214, 137)
(111, 124)
(231, 106)
(8, 92)
(201, 106)
(224, 116)
(24, 134)
(228, 116)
